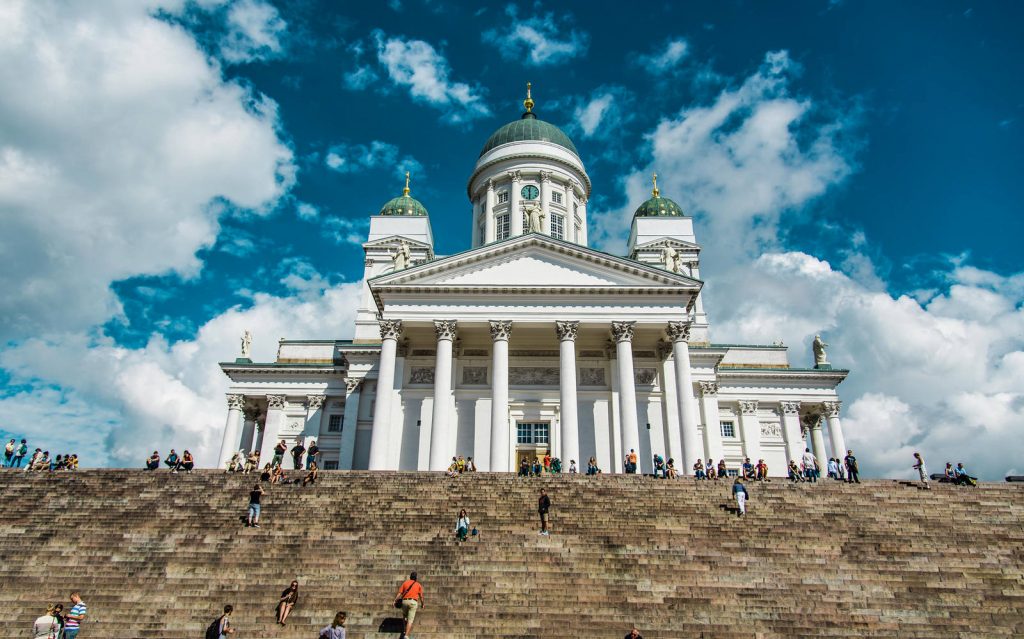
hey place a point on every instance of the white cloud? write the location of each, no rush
(346, 230)
(355, 158)
(602, 114)
(537, 41)
(417, 66)
(255, 31)
(360, 78)
(674, 51)
(121, 403)
(307, 211)
(938, 373)
(120, 138)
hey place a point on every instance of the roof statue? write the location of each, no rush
(535, 217)
(246, 344)
(820, 357)
(671, 258)
(403, 256)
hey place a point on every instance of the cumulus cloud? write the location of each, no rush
(416, 66)
(346, 230)
(122, 402)
(937, 372)
(539, 40)
(666, 58)
(255, 32)
(602, 114)
(121, 145)
(360, 78)
(356, 158)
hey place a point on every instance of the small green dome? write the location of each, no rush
(529, 128)
(659, 206)
(403, 205)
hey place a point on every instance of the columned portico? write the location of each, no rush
(228, 445)
(250, 415)
(570, 438)
(622, 333)
(679, 333)
(835, 429)
(817, 440)
(500, 461)
(390, 331)
(349, 423)
(442, 445)
(712, 422)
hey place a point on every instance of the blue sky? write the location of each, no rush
(189, 169)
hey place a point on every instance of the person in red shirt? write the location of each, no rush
(409, 599)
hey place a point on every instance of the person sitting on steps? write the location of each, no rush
(698, 470)
(172, 461)
(670, 469)
(288, 599)
(723, 472)
(187, 462)
(462, 526)
(153, 462)
(747, 470)
(311, 475)
(762, 470)
(709, 469)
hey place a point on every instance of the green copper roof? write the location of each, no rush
(529, 128)
(659, 206)
(403, 205)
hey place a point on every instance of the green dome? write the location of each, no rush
(529, 128)
(403, 205)
(659, 206)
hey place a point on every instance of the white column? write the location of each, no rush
(817, 440)
(249, 416)
(835, 428)
(791, 431)
(583, 218)
(545, 201)
(712, 423)
(515, 214)
(750, 426)
(230, 444)
(474, 239)
(679, 333)
(442, 435)
(349, 423)
(500, 461)
(314, 415)
(569, 422)
(489, 213)
(623, 335)
(272, 427)
(390, 330)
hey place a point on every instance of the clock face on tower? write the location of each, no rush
(530, 192)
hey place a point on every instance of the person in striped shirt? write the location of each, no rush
(75, 616)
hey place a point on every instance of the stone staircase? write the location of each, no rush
(156, 556)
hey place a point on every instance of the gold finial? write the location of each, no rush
(528, 102)
(405, 191)
(655, 192)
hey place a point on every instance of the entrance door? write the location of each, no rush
(532, 441)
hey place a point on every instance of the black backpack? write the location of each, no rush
(213, 632)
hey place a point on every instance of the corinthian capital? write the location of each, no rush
(679, 331)
(501, 329)
(515, 176)
(790, 408)
(390, 329)
(566, 330)
(351, 384)
(445, 329)
(748, 407)
(315, 402)
(623, 331)
(235, 402)
(275, 401)
(251, 413)
(545, 176)
(709, 389)
(831, 409)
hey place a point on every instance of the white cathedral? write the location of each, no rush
(531, 342)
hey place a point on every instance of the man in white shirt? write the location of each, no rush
(809, 465)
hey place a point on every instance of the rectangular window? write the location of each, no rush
(502, 231)
(334, 423)
(556, 197)
(558, 226)
(732, 473)
(728, 429)
(331, 465)
(528, 433)
(502, 197)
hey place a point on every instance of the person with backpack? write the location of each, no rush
(46, 626)
(740, 492)
(9, 453)
(221, 626)
(19, 454)
(410, 600)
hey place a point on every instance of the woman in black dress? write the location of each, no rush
(289, 598)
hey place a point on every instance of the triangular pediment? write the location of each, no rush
(662, 242)
(530, 261)
(393, 240)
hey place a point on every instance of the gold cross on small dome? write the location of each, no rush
(655, 192)
(405, 191)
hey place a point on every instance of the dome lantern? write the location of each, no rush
(658, 206)
(405, 204)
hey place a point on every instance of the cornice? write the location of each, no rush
(581, 170)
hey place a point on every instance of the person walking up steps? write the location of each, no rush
(410, 600)
(254, 506)
(543, 507)
(921, 470)
(221, 626)
(740, 492)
